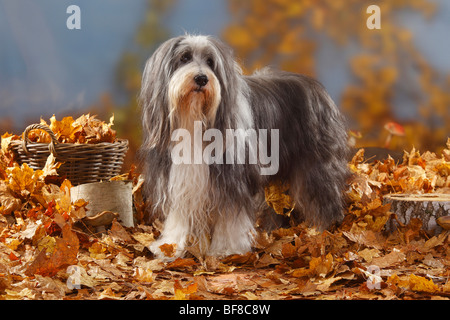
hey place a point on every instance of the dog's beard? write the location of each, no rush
(189, 103)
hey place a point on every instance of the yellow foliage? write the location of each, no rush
(283, 33)
(22, 180)
(414, 283)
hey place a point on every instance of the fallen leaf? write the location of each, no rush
(143, 238)
(393, 258)
(184, 293)
(64, 254)
(324, 285)
(143, 275)
(414, 283)
(97, 250)
(366, 237)
(168, 249)
(277, 198)
(368, 254)
(444, 222)
(23, 180)
(180, 263)
(8, 203)
(118, 232)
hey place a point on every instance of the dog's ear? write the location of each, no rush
(153, 96)
(232, 85)
(228, 69)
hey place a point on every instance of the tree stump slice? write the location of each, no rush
(114, 196)
(427, 207)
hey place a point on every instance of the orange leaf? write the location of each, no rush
(63, 255)
(168, 249)
(65, 129)
(288, 250)
(321, 266)
(180, 263)
(184, 293)
(13, 257)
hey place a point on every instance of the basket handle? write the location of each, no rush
(26, 140)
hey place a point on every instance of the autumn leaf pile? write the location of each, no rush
(46, 253)
(85, 129)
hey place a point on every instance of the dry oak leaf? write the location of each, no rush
(64, 254)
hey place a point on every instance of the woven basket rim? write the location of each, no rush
(75, 145)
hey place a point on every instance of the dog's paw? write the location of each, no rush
(221, 251)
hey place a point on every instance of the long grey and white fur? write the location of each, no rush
(215, 205)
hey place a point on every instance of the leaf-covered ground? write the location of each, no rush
(46, 251)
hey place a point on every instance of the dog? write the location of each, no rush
(193, 83)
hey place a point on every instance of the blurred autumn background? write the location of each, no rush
(400, 73)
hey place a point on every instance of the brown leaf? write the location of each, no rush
(367, 238)
(266, 260)
(277, 198)
(393, 258)
(181, 263)
(63, 255)
(444, 222)
(321, 266)
(168, 249)
(288, 250)
(118, 232)
(8, 203)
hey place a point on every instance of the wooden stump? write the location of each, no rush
(114, 196)
(427, 207)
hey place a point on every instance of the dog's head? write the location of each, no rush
(187, 79)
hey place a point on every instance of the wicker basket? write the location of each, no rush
(81, 163)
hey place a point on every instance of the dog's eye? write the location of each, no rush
(186, 57)
(210, 62)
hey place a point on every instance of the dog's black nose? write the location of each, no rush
(201, 80)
